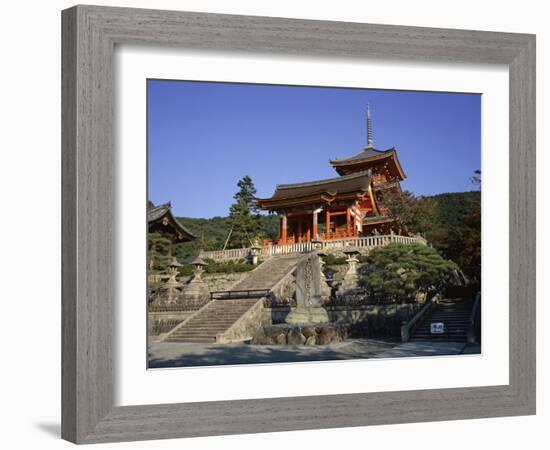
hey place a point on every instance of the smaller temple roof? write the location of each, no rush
(161, 219)
(368, 155)
(319, 191)
(365, 154)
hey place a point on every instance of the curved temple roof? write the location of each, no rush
(156, 214)
(366, 153)
(319, 190)
(366, 156)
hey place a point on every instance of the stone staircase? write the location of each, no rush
(215, 318)
(455, 314)
(218, 316)
(268, 274)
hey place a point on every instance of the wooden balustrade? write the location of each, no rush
(300, 247)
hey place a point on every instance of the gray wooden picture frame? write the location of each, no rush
(90, 34)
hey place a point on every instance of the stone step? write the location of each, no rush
(194, 333)
(268, 273)
(454, 314)
(445, 334)
(451, 314)
(209, 328)
(220, 315)
(217, 318)
(198, 340)
(226, 316)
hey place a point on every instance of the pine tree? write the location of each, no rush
(397, 272)
(245, 220)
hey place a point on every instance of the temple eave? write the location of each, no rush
(321, 199)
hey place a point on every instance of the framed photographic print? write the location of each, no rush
(285, 204)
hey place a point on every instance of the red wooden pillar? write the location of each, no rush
(315, 232)
(348, 221)
(283, 229)
(327, 232)
(299, 228)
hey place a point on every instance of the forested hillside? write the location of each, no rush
(212, 233)
(453, 207)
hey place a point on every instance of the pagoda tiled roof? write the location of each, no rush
(365, 154)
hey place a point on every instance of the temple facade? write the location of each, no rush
(347, 206)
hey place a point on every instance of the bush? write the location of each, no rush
(331, 260)
(398, 272)
(239, 266)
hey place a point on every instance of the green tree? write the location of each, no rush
(462, 243)
(246, 223)
(418, 214)
(397, 272)
(158, 251)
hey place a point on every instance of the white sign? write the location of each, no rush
(437, 328)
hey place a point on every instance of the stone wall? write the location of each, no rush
(370, 320)
(223, 281)
(245, 327)
(283, 292)
(159, 323)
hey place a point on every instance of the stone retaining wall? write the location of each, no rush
(375, 320)
(218, 281)
(223, 281)
(245, 327)
(159, 323)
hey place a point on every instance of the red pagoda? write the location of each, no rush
(347, 206)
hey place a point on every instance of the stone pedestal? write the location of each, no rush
(313, 315)
(196, 293)
(171, 290)
(309, 308)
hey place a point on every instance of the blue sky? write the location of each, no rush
(204, 137)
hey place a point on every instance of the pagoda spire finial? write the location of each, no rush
(369, 127)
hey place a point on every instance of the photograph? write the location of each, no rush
(300, 223)
(275, 224)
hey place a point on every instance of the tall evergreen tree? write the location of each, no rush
(246, 224)
(418, 214)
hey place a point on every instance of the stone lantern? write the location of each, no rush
(172, 285)
(350, 281)
(317, 244)
(198, 267)
(196, 293)
(254, 253)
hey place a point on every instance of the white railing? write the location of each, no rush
(283, 249)
(222, 255)
(300, 247)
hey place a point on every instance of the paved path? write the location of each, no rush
(168, 354)
(172, 354)
(423, 348)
